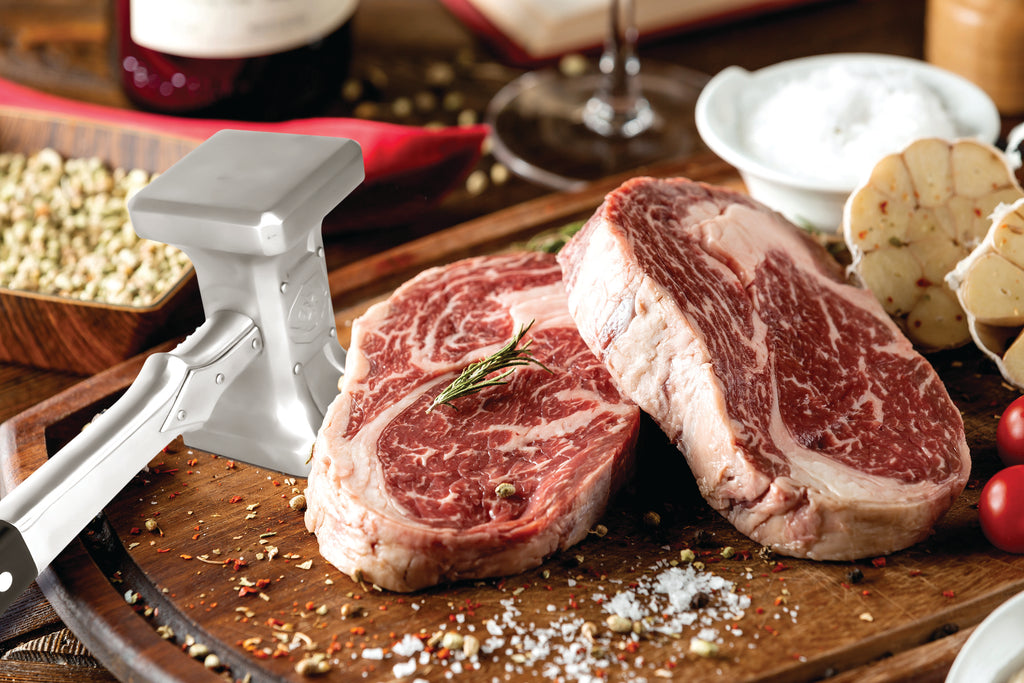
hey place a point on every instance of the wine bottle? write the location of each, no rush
(259, 60)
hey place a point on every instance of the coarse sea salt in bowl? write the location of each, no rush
(806, 132)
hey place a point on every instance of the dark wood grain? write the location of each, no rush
(806, 619)
(40, 672)
(28, 616)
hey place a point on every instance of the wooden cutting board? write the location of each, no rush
(229, 565)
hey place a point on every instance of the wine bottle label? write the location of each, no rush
(229, 29)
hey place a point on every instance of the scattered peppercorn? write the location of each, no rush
(619, 624)
(505, 490)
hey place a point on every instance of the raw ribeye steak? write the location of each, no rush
(807, 418)
(407, 498)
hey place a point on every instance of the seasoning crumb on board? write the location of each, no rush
(629, 622)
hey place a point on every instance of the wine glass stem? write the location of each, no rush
(618, 108)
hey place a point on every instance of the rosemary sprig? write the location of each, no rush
(474, 377)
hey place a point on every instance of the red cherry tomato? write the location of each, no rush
(1001, 509)
(1010, 434)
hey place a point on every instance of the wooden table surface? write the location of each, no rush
(62, 47)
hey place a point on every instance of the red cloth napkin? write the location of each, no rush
(408, 168)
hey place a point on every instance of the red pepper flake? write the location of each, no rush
(247, 590)
(914, 572)
(192, 462)
(949, 594)
(237, 564)
(310, 606)
(358, 630)
(759, 610)
(632, 646)
(230, 465)
(779, 567)
(865, 592)
(235, 499)
(878, 561)
(444, 653)
(262, 583)
(163, 550)
(135, 531)
(185, 557)
(883, 207)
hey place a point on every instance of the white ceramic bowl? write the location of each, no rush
(994, 651)
(722, 109)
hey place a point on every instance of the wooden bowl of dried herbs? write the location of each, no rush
(79, 290)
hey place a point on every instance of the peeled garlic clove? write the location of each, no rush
(936, 318)
(1012, 365)
(918, 214)
(931, 173)
(993, 291)
(1008, 237)
(885, 271)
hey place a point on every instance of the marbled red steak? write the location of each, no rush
(406, 498)
(806, 416)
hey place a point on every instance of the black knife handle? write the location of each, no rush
(17, 568)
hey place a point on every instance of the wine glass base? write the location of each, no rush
(537, 127)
